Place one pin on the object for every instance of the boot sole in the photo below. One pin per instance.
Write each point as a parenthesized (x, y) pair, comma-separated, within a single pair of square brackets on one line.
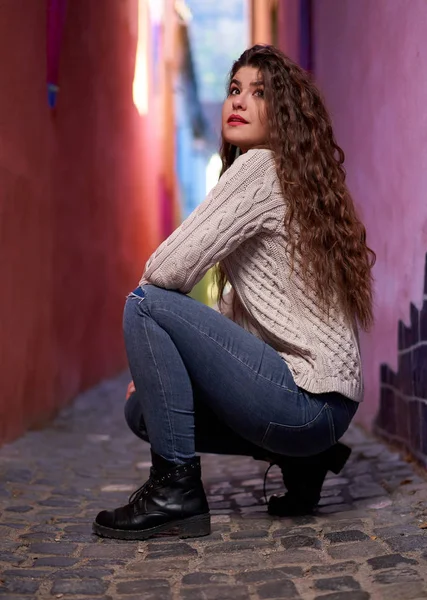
[(185, 528), (289, 510)]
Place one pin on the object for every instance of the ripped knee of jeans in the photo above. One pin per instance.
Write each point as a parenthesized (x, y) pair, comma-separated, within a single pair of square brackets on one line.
[(137, 293)]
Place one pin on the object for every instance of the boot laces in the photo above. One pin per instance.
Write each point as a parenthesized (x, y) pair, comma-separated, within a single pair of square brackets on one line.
[(142, 491), (265, 481), (157, 478)]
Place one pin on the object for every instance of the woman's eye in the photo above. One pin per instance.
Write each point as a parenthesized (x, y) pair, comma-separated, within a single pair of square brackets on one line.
[(233, 91), (259, 93)]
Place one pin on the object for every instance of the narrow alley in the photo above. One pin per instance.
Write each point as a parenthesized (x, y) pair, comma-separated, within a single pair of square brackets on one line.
[(369, 539), (117, 120)]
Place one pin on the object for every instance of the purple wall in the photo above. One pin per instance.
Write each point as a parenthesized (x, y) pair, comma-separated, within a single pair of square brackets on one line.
[(371, 63), (290, 28)]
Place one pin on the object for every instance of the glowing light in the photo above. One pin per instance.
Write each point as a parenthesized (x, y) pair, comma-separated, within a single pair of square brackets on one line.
[(212, 175), (212, 172), (140, 78), (157, 10)]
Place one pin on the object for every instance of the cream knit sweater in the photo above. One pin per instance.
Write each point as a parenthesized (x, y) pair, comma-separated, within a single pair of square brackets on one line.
[(241, 225)]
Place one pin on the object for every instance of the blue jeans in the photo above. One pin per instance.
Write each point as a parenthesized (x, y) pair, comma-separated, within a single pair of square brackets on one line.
[(204, 383)]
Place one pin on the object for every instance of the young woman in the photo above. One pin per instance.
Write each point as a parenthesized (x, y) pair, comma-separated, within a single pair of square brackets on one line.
[(275, 374)]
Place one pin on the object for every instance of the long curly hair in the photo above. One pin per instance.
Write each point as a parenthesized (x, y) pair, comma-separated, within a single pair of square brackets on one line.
[(326, 234)]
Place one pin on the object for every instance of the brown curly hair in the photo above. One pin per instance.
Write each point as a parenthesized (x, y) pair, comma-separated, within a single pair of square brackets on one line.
[(331, 239)]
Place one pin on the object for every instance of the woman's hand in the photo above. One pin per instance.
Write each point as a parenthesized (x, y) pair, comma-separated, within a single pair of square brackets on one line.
[(131, 389)]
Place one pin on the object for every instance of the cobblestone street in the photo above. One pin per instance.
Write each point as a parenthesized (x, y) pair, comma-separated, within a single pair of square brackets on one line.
[(369, 539)]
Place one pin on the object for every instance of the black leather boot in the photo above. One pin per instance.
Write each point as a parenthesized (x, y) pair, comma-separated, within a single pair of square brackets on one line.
[(171, 503), (304, 478)]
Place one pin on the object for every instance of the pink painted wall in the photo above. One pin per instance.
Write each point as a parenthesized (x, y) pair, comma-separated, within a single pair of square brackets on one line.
[(78, 204), (289, 28), (371, 63)]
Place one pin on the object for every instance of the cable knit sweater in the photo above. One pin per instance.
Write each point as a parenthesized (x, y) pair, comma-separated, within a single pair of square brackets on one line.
[(241, 225)]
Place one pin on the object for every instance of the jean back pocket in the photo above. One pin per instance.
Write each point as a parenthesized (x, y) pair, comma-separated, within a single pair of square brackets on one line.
[(302, 440)]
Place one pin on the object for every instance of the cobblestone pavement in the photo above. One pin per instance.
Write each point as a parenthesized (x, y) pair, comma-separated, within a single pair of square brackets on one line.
[(369, 539)]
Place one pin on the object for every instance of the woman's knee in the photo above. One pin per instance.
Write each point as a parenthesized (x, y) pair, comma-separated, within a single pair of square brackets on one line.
[(132, 311), (139, 300), (150, 293)]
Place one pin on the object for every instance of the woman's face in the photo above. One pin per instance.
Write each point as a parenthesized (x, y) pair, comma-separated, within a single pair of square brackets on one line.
[(244, 120)]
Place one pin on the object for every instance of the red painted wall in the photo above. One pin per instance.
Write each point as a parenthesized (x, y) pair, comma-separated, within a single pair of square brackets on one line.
[(78, 204)]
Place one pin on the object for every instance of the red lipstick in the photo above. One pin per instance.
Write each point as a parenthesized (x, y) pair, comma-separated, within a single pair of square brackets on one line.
[(235, 120)]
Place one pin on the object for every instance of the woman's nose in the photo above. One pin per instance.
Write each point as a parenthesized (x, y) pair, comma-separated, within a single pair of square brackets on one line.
[(239, 102)]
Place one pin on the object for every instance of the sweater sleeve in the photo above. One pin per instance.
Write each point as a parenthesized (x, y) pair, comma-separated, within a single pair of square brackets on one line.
[(231, 213)]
